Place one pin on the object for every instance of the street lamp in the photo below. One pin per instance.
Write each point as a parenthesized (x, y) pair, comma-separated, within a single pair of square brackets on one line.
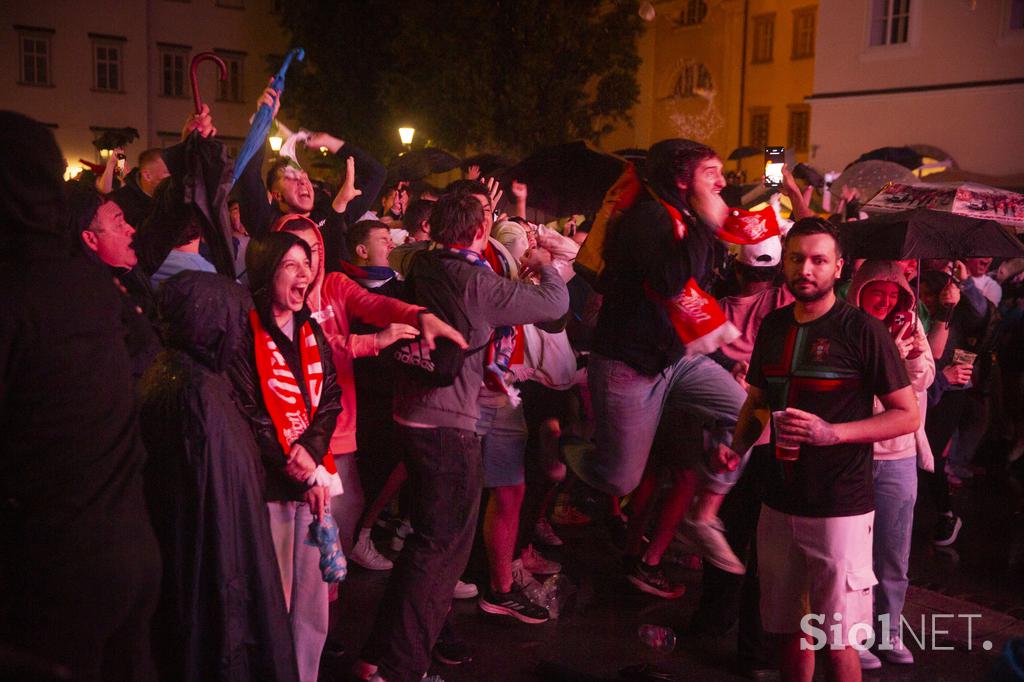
[(275, 142), (405, 134)]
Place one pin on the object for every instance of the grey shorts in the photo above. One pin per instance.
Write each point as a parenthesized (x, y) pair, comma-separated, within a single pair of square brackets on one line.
[(503, 441)]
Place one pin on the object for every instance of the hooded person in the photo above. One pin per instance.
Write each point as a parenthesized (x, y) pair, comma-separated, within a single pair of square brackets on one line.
[(204, 488), (880, 289), (288, 389), (80, 568), (661, 254)]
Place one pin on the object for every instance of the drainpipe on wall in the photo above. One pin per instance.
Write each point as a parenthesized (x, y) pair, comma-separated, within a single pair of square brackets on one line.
[(743, 78)]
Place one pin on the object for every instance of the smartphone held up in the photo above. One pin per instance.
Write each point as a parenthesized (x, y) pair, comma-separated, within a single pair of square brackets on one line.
[(774, 159)]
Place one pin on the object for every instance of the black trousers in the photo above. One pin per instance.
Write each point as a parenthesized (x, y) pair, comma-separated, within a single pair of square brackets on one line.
[(446, 481)]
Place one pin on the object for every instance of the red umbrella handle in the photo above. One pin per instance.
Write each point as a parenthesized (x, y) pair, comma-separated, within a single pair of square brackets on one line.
[(204, 57)]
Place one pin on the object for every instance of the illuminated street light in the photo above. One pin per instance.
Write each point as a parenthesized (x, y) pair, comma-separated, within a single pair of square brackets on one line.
[(405, 134), (105, 153), (275, 142)]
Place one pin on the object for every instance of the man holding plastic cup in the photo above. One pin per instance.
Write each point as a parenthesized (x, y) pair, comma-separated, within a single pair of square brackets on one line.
[(815, 368)]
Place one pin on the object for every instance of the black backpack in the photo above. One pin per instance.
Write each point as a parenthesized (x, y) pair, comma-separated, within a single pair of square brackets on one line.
[(429, 285)]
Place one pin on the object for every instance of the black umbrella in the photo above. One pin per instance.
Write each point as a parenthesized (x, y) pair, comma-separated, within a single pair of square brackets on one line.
[(638, 157), (197, 191), (113, 138), (904, 156), (489, 164), (924, 233), (568, 178), (419, 163), (744, 152)]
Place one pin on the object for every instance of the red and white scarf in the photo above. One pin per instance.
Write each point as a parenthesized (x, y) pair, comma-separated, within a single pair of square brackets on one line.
[(282, 395)]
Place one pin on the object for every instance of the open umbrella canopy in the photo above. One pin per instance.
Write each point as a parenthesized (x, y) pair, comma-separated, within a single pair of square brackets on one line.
[(567, 179), (419, 163), (115, 137), (868, 177), (489, 164), (927, 233), (967, 199), (744, 152), (904, 156)]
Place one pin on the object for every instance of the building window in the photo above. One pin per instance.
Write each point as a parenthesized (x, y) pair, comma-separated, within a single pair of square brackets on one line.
[(108, 68), (764, 38), (759, 128), (799, 129), (803, 32), (692, 79), (890, 22), (231, 90), (693, 13), (173, 66), (34, 59)]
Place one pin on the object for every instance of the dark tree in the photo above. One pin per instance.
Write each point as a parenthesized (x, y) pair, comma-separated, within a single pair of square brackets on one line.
[(510, 75)]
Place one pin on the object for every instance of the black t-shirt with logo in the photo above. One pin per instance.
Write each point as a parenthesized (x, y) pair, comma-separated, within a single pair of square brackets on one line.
[(832, 367)]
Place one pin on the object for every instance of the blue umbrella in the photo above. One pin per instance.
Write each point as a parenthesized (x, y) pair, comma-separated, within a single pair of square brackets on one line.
[(257, 136)]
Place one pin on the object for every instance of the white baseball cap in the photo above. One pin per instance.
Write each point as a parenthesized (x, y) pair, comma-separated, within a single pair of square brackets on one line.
[(764, 254)]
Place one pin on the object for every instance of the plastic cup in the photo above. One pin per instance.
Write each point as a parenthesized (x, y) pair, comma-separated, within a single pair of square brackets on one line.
[(785, 450)]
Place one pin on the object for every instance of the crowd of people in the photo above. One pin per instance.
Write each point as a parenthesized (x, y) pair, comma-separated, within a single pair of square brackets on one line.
[(203, 394)]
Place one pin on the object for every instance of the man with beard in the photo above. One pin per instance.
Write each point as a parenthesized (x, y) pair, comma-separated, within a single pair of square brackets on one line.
[(818, 364), (641, 370)]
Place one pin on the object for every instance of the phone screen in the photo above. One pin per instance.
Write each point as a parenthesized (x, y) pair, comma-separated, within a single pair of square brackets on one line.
[(774, 158)]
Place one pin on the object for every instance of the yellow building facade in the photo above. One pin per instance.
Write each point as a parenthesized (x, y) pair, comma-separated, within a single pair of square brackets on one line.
[(727, 73)]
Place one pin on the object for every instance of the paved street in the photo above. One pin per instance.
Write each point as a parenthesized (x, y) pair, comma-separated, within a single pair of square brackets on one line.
[(979, 585)]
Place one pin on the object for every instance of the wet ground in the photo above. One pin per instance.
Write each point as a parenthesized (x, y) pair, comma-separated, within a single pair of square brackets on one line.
[(966, 595)]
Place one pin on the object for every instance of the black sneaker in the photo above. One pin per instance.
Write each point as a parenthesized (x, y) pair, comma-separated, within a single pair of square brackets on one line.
[(652, 580), (947, 529), (450, 649), (513, 603)]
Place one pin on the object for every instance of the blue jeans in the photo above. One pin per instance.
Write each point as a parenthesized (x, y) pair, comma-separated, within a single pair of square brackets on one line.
[(446, 479), (895, 494), (628, 407)]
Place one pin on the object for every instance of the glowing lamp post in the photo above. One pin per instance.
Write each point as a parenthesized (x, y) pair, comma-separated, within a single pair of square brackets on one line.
[(405, 134), (275, 142)]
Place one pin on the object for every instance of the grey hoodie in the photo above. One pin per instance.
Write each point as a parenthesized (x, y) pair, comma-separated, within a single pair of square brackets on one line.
[(489, 301)]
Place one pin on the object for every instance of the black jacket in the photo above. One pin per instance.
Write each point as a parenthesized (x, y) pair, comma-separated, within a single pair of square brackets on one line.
[(262, 258), (221, 614), (135, 203), (642, 248), (258, 214)]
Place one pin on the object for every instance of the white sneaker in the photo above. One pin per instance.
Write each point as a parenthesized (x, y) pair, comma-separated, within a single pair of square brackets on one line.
[(366, 555), (868, 661), (709, 537), (897, 652), (521, 577), (535, 563), (465, 590)]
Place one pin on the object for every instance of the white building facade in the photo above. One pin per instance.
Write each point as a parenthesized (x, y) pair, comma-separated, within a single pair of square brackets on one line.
[(84, 67), (948, 73)]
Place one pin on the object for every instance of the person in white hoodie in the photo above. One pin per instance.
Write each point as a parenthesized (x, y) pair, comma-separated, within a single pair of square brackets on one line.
[(880, 289)]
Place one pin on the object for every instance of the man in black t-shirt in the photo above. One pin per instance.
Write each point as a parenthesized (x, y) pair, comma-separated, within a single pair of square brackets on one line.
[(819, 362)]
